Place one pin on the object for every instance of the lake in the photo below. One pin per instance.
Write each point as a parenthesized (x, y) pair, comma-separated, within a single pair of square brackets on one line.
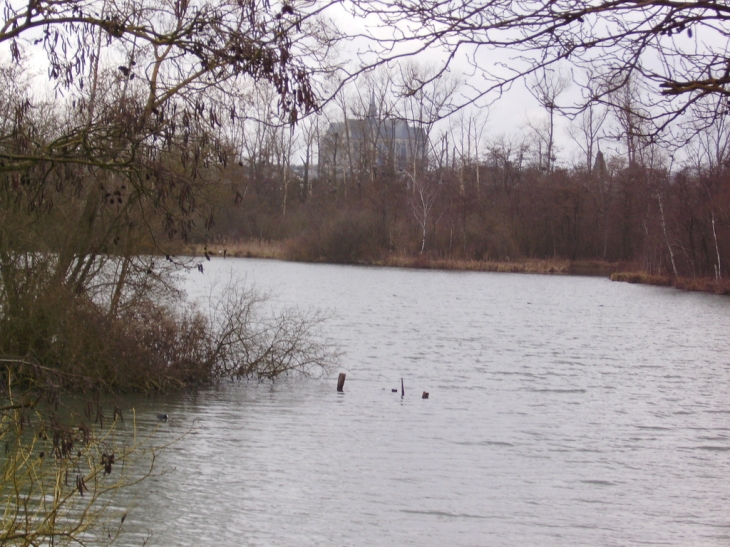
[(563, 411)]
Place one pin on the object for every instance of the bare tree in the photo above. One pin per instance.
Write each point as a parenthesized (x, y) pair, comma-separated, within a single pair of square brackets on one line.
[(423, 100), (709, 153), (424, 197), (309, 133), (631, 118), (586, 133), (168, 55), (506, 156), (546, 86), (468, 143), (676, 50)]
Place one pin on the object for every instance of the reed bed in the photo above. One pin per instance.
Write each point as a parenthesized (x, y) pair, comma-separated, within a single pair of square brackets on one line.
[(519, 266)]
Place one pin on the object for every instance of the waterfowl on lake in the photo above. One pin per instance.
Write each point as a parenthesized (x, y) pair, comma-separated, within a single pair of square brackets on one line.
[(162, 417)]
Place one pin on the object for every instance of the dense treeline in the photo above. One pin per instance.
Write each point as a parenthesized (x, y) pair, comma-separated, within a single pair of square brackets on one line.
[(476, 196), (666, 222)]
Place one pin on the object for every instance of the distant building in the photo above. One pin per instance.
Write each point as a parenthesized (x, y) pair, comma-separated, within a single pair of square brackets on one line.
[(370, 142), (599, 166)]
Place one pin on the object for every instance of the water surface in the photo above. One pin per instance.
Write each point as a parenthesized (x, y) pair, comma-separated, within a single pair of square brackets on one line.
[(563, 411)]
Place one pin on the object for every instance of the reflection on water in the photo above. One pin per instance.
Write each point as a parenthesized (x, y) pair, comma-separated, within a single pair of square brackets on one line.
[(562, 411)]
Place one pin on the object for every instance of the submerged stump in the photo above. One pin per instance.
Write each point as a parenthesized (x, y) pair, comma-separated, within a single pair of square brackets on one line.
[(341, 382)]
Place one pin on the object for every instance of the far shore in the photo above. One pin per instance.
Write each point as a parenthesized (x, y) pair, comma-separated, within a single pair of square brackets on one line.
[(698, 284), (616, 271)]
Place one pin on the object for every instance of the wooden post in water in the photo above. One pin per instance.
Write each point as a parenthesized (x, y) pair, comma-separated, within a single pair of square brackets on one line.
[(402, 389), (341, 382)]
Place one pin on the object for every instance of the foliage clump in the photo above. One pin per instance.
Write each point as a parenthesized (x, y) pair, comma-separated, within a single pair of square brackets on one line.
[(350, 237)]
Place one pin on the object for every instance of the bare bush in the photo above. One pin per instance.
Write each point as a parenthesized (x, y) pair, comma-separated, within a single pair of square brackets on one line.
[(155, 344), (245, 342)]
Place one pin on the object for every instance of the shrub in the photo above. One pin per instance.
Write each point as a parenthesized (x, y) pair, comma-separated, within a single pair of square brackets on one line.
[(641, 277), (156, 344), (351, 237)]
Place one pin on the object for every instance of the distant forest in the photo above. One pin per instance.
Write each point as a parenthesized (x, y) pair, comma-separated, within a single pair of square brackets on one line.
[(478, 196)]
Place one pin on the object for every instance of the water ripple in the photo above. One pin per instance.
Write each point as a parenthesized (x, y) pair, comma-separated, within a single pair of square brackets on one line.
[(596, 415)]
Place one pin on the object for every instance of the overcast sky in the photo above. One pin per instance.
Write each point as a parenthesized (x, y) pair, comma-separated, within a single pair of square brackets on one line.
[(507, 115)]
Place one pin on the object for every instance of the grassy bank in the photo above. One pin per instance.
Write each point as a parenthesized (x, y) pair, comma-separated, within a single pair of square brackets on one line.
[(280, 251)]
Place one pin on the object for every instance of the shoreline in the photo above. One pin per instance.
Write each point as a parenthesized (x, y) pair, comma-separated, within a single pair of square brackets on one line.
[(693, 284), (615, 271)]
